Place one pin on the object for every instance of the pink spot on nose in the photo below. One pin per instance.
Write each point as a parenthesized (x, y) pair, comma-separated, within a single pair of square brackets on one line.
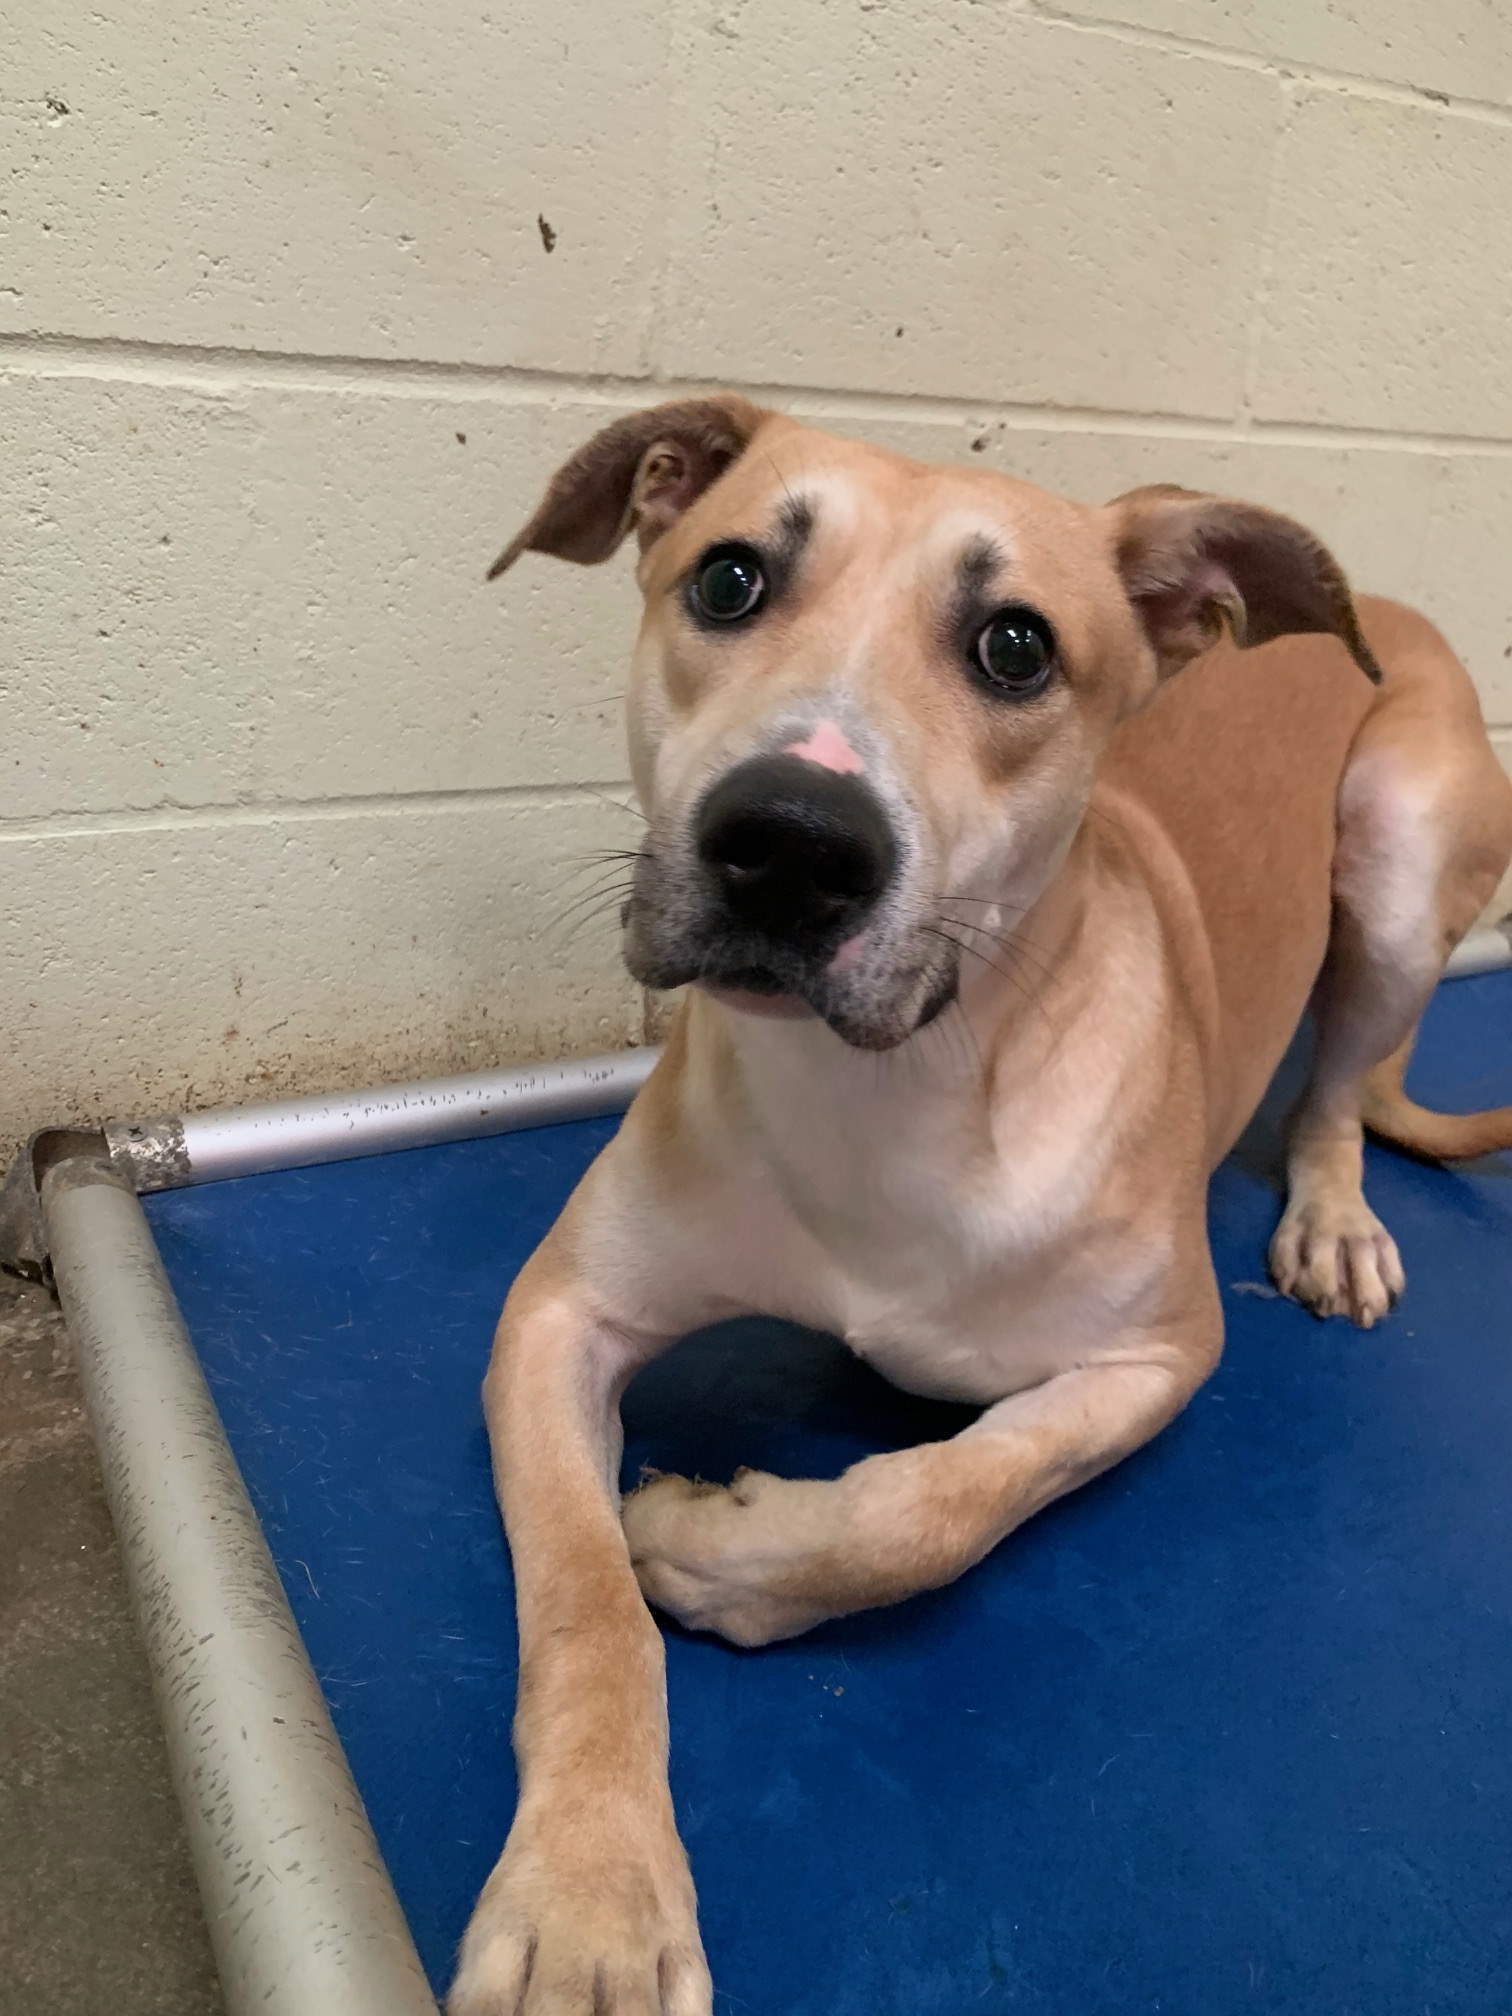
[(848, 954), (828, 747)]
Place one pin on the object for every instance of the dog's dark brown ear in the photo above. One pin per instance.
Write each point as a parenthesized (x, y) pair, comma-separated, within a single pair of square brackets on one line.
[(642, 471), (1195, 566)]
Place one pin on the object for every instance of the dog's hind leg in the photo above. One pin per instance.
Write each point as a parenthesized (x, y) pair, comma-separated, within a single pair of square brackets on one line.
[(1425, 829)]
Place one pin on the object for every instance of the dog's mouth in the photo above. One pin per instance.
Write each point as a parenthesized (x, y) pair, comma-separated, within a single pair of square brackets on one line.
[(748, 980), (867, 1010), (754, 992), (729, 972)]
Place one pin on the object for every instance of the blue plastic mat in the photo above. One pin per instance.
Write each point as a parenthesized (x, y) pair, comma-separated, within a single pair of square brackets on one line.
[(1226, 1732)]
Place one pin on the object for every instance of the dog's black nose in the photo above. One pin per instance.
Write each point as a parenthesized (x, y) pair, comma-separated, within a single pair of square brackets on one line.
[(794, 849)]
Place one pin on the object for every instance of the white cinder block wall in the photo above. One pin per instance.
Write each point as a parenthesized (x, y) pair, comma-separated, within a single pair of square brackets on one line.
[(300, 304)]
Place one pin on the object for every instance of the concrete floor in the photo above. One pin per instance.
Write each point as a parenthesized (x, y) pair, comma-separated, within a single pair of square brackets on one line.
[(98, 1910)]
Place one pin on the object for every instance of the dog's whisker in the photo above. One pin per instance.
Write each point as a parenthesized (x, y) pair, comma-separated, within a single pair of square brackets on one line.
[(591, 904), (1014, 979), (1015, 934), (988, 902), (591, 882), (633, 811), (563, 936), (616, 854), (563, 941), (1012, 943), (952, 1031), (610, 858), (604, 700)]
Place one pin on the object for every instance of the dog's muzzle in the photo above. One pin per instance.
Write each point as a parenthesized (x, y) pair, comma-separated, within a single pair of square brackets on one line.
[(788, 885), (795, 857)]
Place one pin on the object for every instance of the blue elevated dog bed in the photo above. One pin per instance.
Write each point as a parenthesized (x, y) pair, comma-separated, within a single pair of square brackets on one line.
[(1225, 1732)]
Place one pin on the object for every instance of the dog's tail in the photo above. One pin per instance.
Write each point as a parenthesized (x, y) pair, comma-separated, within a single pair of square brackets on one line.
[(1437, 1137)]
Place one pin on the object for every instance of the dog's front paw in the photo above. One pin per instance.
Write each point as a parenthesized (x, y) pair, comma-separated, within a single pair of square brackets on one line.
[(744, 1560), (1337, 1259), (562, 1934)]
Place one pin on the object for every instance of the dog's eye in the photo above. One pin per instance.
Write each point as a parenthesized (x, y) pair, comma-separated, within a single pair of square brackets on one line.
[(729, 584), (1015, 653)]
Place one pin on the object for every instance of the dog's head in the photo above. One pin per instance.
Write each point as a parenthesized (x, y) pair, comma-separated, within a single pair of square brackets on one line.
[(868, 691)]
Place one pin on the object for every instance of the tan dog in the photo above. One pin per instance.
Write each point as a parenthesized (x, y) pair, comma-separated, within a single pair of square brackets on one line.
[(999, 931)]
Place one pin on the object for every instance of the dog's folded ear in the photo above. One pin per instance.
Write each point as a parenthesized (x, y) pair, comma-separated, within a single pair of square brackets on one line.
[(1194, 566), (640, 472)]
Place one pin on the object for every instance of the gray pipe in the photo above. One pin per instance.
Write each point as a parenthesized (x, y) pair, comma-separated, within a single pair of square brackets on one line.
[(173, 1150), (302, 1915)]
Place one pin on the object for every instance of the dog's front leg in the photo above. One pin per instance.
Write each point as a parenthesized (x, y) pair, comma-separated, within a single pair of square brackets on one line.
[(769, 1557), (590, 1911)]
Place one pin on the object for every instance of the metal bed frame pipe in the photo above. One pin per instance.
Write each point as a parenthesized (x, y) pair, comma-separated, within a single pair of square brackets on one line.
[(302, 1916), (172, 1151)]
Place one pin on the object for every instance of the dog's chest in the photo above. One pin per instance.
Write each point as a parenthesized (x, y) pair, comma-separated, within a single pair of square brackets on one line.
[(959, 1264), (964, 1325)]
